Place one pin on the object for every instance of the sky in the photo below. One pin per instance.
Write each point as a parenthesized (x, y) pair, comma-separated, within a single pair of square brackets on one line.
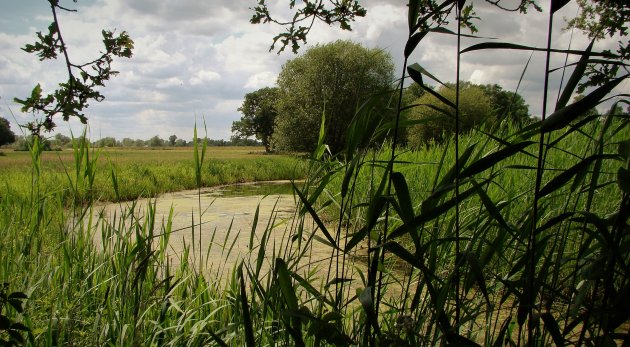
[(194, 61)]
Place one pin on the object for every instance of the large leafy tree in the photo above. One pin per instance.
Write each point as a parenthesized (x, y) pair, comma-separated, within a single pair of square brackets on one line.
[(6, 135), (506, 104), (331, 79), (259, 114)]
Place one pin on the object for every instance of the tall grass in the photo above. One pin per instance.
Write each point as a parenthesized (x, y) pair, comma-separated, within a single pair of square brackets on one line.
[(92, 280), (125, 290)]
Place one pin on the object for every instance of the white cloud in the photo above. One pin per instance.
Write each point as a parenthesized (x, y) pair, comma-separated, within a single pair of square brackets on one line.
[(199, 58), (261, 80), (204, 76)]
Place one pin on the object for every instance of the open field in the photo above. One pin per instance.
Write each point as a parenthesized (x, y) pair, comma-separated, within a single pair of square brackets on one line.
[(120, 156), (146, 172)]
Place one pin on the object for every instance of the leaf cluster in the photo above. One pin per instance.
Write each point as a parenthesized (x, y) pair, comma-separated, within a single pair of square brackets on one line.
[(306, 13), (437, 120), (600, 19), (6, 135), (334, 79), (10, 330), (74, 95)]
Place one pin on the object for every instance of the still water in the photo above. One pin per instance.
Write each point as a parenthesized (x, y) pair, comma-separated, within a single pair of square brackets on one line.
[(216, 224)]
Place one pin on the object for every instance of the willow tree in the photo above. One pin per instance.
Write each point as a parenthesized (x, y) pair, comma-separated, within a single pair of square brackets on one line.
[(331, 79)]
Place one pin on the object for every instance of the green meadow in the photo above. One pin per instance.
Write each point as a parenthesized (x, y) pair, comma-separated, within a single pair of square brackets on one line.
[(146, 172)]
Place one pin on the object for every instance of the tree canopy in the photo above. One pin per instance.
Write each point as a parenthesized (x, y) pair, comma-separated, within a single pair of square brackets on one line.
[(6, 135), (259, 114), (331, 79), (506, 104), (438, 120)]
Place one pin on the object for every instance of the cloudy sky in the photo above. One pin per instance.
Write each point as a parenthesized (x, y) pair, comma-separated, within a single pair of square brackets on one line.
[(195, 60)]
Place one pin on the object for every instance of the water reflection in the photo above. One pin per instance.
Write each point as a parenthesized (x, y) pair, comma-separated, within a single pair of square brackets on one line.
[(251, 189)]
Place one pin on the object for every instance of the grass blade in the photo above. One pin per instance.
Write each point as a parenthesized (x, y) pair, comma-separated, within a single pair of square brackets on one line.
[(577, 74), (560, 118), (250, 341), (505, 45), (560, 180), (314, 215), (494, 158)]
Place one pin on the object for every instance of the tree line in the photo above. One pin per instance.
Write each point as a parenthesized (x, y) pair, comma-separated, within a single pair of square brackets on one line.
[(336, 80), (60, 141)]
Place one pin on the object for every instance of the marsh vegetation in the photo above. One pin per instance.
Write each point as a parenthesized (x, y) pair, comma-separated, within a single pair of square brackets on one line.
[(510, 233)]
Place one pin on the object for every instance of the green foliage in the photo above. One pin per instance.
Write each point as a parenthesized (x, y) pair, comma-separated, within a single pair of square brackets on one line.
[(600, 19), (172, 140), (333, 79), (259, 114), (25, 143), (6, 135), (438, 120), (74, 95), (107, 141), (507, 105), (61, 141), (10, 330), (308, 11), (155, 141)]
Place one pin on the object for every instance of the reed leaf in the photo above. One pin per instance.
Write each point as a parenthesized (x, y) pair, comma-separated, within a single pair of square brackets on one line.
[(560, 118)]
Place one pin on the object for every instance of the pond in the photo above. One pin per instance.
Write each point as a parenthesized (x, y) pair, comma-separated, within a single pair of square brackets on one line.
[(219, 222)]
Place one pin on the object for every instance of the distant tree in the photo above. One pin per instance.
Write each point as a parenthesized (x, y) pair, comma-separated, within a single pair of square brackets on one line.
[(140, 143), (6, 135), (25, 143), (172, 139), (128, 142), (61, 140), (106, 142), (506, 104), (412, 93), (180, 143), (20, 143), (155, 141), (259, 114), (332, 79), (240, 141), (80, 140), (475, 108)]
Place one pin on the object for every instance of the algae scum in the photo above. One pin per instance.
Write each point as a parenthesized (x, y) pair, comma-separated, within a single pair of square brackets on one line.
[(214, 229)]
